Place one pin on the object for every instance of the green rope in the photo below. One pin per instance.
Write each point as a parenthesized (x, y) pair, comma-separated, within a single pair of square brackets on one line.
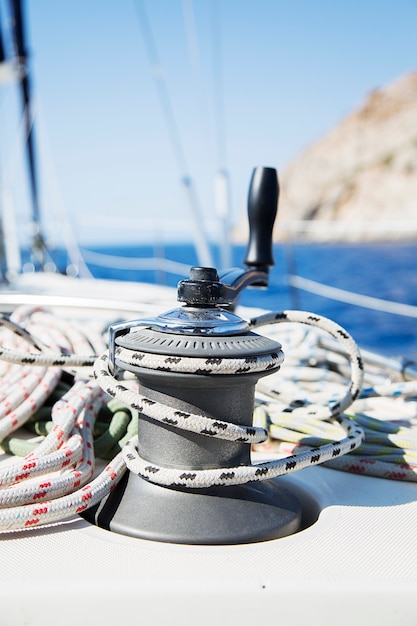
[(115, 431), (18, 447), (114, 426)]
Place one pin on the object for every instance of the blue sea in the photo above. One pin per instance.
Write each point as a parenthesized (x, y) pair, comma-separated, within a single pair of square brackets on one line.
[(381, 270)]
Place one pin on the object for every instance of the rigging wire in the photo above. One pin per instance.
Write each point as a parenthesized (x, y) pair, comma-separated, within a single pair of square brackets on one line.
[(162, 87), (127, 263), (342, 295), (218, 90), (203, 251), (222, 179), (195, 62), (70, 242)]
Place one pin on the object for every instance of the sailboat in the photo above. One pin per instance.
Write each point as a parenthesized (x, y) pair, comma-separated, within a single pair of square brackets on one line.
[(179, 467)]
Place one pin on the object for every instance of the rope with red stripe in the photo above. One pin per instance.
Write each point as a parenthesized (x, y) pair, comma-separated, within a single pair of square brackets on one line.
[(50, 483)]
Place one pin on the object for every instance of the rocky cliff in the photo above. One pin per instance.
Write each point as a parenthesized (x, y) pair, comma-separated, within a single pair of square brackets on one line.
[(360, 181)]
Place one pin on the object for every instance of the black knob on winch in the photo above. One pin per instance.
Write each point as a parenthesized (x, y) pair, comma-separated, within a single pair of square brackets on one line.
[(202, 288)]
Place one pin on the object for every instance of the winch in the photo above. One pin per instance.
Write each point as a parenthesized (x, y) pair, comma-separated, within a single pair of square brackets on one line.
[(200, 363)]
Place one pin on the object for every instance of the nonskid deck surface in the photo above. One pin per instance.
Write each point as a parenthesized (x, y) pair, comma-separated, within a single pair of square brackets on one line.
[(355, 560)]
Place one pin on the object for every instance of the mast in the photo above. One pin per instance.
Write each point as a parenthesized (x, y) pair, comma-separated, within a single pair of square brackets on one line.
[(21, 53), (2, 53), (10, 262)]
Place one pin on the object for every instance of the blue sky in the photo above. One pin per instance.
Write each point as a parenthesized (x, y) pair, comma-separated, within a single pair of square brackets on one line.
[(267, 76)]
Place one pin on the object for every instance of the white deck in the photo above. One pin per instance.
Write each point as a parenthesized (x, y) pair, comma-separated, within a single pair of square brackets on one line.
[(356, 564)]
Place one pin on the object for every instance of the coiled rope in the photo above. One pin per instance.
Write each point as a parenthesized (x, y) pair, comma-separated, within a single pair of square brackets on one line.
[(301, 411), (51, 482), (386, 408)]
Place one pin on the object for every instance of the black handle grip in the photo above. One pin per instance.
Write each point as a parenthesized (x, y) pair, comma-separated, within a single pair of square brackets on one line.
[(262, 210)]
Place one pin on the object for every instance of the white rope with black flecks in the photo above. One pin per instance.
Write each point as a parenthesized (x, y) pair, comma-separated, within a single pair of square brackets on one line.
[(210, 427), (212, 366)]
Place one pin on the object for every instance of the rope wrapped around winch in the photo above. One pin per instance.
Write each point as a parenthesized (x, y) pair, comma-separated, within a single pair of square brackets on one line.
[(47, 389)]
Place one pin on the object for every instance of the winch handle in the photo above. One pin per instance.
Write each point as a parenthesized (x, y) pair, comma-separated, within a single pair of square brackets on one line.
[(205, 287), (262, 210)]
